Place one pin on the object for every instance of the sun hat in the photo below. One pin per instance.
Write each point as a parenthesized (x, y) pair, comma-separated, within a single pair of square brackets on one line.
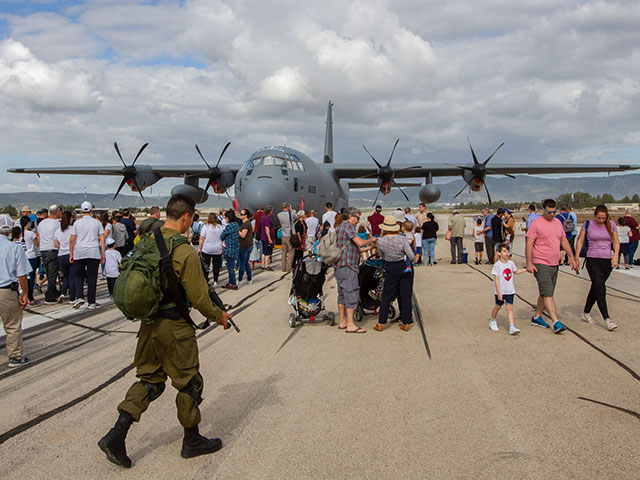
[(389, 224), (25, 208), (86, 207)]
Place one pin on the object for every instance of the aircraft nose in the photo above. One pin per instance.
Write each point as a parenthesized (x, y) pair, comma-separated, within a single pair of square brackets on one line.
[(261, 192)]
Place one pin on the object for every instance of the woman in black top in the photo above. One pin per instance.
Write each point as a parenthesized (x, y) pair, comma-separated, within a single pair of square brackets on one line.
[(429, 235)]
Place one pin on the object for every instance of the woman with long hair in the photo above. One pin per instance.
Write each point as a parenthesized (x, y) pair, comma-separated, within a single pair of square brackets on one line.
[(61, 242), (31, 242), (210, 247), (429, 235), (246, 245), (601, 236), (231, 238)]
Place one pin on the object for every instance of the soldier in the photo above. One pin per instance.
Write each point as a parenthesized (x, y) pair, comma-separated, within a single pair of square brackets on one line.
[(152, 222), (14, 268), (168, 347)]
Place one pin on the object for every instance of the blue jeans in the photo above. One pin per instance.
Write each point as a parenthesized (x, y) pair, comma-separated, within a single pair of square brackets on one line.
[(69, 277), (243, 263), (429, 250), (231, 268), (35, 263), (633, 246)]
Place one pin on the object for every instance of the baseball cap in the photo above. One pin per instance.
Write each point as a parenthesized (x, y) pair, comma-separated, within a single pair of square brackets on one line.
[(6, 224), (378, 208), (86, 207), (53, 208)]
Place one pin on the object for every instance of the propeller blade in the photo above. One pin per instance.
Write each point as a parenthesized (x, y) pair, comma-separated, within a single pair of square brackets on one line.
[(463, 167), (139, 153), (124, 180), (135, 183), (408, 168), (462, 190), (209, 183), (376, 200), (372, 175), (115, 144), (202, 156), (401, 191), (392, 151), (230, 199), (487, 160), (223, 150), (372, 157), (498, 173), (475, 160), (488, 194)]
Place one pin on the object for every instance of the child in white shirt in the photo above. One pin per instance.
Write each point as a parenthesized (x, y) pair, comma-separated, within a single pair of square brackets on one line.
[(112, 260), (478, 240), (504, 289)]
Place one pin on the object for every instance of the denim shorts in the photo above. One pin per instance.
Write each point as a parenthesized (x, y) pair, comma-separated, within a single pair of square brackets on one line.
[(506, 298)]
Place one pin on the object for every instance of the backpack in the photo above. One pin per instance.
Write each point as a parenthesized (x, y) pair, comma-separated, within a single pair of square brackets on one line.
[(568, 224), (196, 228), (140, 287), (328, 248)]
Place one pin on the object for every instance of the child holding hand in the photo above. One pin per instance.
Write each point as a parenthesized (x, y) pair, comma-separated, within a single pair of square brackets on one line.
[(504, 288)]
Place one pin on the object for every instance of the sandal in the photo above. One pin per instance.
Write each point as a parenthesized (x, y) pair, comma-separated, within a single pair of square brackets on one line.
[(358, 330)]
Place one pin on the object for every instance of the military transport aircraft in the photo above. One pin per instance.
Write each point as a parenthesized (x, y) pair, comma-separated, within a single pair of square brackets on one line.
[(273, 175)]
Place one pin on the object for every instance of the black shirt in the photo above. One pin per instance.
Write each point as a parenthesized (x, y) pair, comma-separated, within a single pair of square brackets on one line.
[(496, 229), (429, 229)]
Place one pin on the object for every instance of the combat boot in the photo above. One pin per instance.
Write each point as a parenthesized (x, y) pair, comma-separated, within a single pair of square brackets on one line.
[(194, 444), (112, 444)]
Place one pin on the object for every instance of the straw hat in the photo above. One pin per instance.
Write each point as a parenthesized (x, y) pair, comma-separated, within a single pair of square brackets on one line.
[(389, 224)]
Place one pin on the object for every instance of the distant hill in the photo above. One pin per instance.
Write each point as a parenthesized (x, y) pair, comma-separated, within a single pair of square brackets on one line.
[(523, 188)]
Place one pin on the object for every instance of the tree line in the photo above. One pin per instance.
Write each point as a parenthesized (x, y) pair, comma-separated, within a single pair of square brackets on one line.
[(579, 200)]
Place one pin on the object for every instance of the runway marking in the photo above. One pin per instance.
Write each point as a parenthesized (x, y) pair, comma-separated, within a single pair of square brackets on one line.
[(625, 410), (598, 349), (418, 314)]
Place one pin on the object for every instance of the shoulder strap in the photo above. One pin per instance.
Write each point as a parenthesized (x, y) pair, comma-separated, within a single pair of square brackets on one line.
[(172, 280)]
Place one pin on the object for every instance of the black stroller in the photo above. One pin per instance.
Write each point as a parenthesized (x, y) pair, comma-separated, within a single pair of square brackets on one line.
[(371, 279), (306, 295)]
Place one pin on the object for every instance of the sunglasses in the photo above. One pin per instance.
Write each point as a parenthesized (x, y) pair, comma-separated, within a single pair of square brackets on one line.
[(551, 212)]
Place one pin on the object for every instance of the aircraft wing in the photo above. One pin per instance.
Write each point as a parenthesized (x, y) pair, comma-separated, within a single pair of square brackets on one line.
[(365, 184), (160, 170), (363, 171)]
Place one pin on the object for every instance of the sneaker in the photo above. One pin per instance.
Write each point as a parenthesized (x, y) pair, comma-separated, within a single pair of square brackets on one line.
[(50, 302), (493, 325), (78, 303), (34, 303), (93, 306), (61, 299), (513, 330), (539, 322), (18, 362), (610, 324), (558, 327), (586, 317)]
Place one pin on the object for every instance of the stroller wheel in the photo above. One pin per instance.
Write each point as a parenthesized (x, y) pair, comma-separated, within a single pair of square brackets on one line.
[(392, 312), (293, 319), (358, 314), (332, 318)]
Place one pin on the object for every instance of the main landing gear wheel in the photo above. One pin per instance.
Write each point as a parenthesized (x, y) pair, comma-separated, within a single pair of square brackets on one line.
[(332, 318), (293, 319), (358, 314)]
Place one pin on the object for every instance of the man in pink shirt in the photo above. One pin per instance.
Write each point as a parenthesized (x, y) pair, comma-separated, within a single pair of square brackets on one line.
[(545, 237)]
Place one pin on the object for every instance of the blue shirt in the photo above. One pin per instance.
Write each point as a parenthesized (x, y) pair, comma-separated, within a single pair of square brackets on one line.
[(13, 262), (231, 237), (487, 223), (532, 216)]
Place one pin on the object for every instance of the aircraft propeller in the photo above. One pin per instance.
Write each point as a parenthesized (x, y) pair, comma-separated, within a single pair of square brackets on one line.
[(214, 173), (479, 171), (386, 174), (129, 172)]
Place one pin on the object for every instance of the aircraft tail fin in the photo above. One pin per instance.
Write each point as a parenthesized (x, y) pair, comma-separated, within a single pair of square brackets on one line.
[(328, 137)]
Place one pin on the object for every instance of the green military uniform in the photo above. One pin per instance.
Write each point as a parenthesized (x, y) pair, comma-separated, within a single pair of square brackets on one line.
[(149, 225), (168, 347)]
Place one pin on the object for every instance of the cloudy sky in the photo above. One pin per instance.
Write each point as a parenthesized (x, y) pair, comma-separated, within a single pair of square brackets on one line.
[(556, 81)]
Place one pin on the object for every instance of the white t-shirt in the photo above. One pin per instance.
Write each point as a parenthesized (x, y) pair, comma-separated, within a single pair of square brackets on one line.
[(63, 240), (30, 248), (623, 234), (329, 217), (505, 272), (112, 259), (418, 237), (107, 232), (212, 244), (87, 230), (478, 233), (312, 226), (47, 231)]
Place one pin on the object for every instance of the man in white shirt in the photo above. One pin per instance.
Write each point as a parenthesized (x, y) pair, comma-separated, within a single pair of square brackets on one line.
[(312, 230), (86, 252), (329, 216), (47, 230), (286, 218)]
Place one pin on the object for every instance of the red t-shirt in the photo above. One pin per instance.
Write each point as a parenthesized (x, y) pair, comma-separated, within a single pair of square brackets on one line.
[(547, 236), (375, 220), (633, 225)]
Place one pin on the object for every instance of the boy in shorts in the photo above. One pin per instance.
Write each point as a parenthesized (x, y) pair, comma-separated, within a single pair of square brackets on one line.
[(478, 240), (503, 271)]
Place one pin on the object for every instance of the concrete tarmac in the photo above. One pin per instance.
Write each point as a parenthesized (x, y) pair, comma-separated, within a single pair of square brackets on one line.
[(312, 402)]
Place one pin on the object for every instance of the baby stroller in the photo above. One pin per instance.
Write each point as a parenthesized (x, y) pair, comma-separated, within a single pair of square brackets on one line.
[(306, 295), (371, 279)]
